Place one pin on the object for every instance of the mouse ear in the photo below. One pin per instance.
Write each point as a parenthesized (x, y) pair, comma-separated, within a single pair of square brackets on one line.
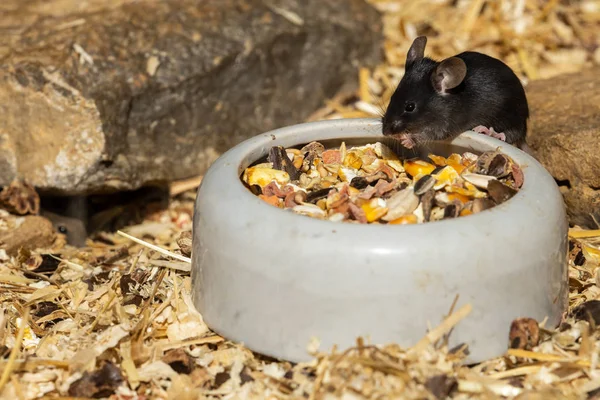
[(416, 51), (448, 74)]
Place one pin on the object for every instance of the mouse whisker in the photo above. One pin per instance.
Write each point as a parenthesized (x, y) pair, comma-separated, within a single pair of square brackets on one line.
[(381, 107)]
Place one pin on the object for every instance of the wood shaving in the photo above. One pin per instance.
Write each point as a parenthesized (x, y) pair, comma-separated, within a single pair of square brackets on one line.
[(131, 319)]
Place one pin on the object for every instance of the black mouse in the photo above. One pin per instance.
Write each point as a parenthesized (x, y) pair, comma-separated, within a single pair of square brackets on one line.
[(439, 100)]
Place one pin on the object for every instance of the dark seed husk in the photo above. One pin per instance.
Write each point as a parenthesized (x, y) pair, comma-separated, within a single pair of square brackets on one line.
[(359, 182), (427, 201), (499, 166), (256, 190), (499, 192), (481, 204), (311, 151), (280, 160), (451, 210), (377, 176), (494, 164), (317, 195), (437, 169), (424, 184), (42, 263), (313, 148)]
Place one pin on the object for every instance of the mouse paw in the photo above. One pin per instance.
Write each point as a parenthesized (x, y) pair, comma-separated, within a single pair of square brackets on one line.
[(406, 141), (490, 132)]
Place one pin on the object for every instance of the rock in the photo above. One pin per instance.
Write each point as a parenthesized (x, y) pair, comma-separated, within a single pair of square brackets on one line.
[(564, 133), (32, 233), (97, 97)]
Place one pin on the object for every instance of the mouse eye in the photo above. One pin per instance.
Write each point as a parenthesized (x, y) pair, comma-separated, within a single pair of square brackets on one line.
[(62, 229), (409, 107)]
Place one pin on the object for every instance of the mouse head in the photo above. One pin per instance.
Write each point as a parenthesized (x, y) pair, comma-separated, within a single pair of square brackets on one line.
[(422, 104), (74, 229)]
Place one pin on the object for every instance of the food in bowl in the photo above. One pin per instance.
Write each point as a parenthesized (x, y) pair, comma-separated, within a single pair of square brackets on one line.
[(371, 184)]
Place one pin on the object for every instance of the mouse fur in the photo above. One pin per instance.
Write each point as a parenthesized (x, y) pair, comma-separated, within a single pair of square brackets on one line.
[(456, 95)]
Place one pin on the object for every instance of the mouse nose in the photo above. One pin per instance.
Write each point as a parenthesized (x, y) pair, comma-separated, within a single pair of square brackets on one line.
[(392, 127)]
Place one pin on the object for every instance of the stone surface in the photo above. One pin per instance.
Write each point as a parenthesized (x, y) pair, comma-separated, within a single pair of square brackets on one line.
[(108, 95), (565, 136), (32, 233)]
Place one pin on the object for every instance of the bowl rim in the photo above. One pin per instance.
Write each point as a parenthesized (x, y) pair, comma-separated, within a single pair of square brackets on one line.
[(231, 162)]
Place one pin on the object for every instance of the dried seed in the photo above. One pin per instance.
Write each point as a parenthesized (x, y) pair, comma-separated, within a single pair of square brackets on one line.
[(263, 176), (402, 203), (396, 165), (347, 174), (465, 212), (458, 197), (517, 174), (441, 386), (500, 192), (313, 197), (273, 190), (446, 176), (41, 263), (359, 182), (500, 166), (179, 360), (336, 199), (358, 213), (313, 148), (311, 151), (184, 241), (424, 184), (437, 160), (427, 202), (272, 200), (102, 382), (384, 152), (20, 198), (481, 204), (383, 186), (352, 160), (405, 219), (468, 190), (298, 162), (332, 157), (280, 160), (367, 193), (480, 181), (417, 168), (451, 211), (375, 209), (310, 210), (524, 333), (294, 198), (322, 171), (493, 163)]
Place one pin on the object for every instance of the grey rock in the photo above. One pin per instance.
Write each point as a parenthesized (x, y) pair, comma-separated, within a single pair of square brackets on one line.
[(565, 137), (103, 96)]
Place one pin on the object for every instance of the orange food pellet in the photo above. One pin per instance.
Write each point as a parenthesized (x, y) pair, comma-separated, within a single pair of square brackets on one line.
[(454, 159), (465, 212), (372, 212), (457, 196), (332, 157), (457, 167), (272, 200), (438, 160), (417, 167), (405, 219)]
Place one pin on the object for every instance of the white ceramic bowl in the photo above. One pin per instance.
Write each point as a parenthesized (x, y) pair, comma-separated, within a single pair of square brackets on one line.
[(273, 279)]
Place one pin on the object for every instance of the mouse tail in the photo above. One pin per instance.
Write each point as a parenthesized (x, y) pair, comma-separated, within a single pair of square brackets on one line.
[(525, 147)]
